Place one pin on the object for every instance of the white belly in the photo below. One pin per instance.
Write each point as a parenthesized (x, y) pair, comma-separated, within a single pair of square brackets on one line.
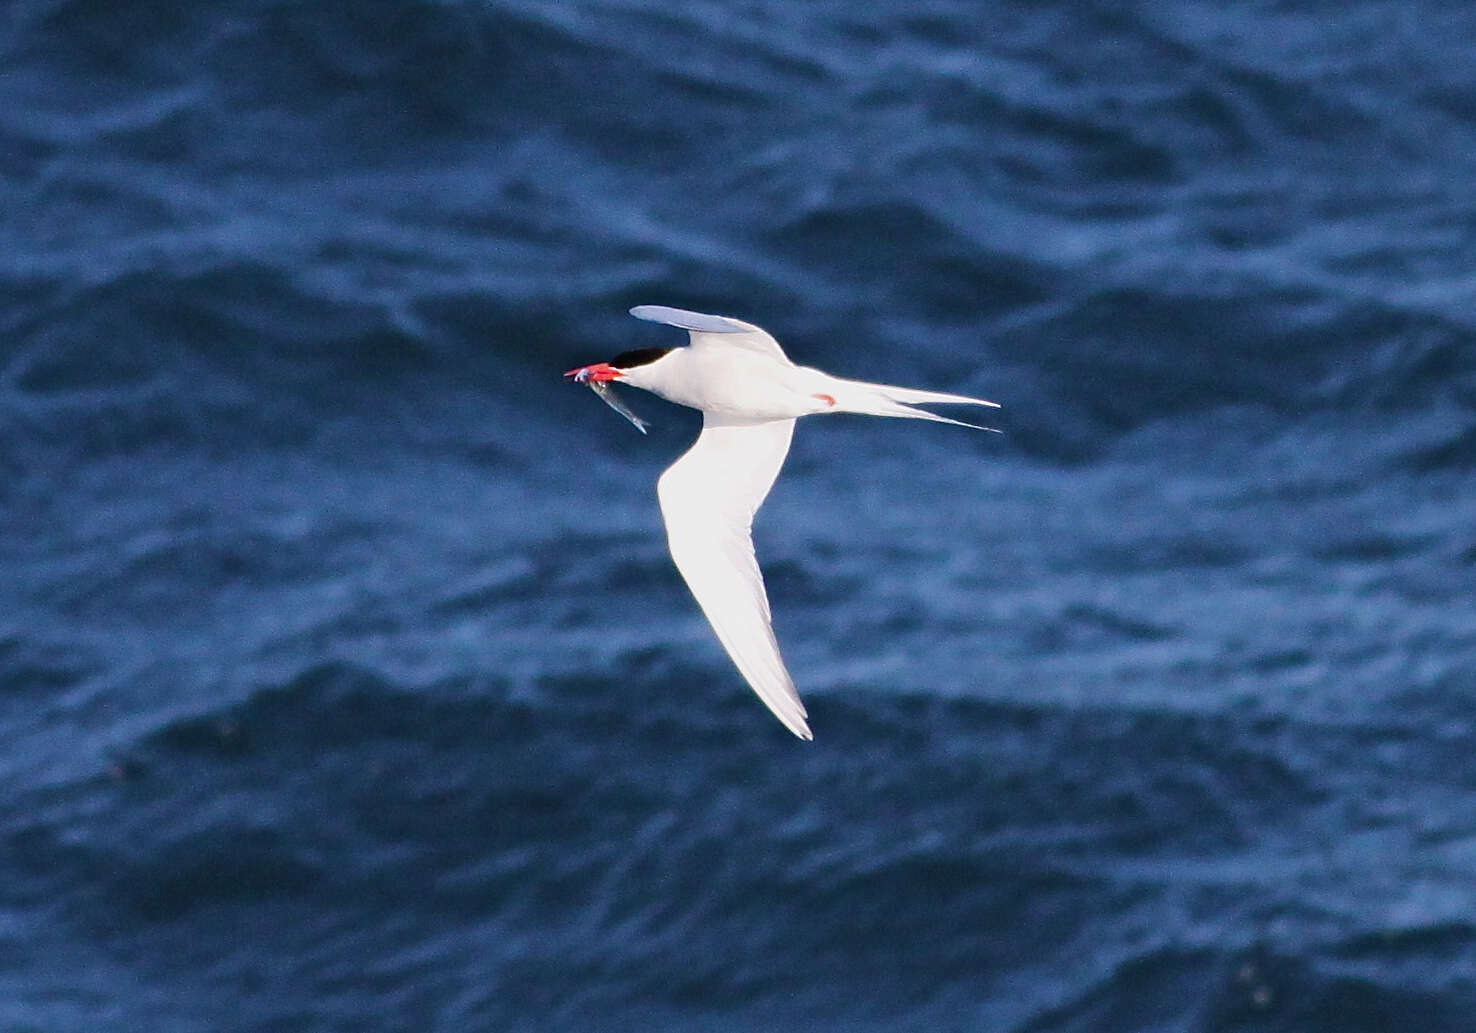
[(742, 384)]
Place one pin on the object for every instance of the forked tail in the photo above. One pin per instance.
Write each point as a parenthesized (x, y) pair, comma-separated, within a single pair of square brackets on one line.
[(857, 396)]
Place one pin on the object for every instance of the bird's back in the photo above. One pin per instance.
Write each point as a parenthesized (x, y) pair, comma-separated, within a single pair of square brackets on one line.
[(738, 383)]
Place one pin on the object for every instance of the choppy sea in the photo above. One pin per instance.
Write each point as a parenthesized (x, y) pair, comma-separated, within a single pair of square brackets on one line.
[(345, 681)]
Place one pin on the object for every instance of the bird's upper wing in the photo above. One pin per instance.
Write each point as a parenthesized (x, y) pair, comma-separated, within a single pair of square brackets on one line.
[(708, 499), (714, 331)]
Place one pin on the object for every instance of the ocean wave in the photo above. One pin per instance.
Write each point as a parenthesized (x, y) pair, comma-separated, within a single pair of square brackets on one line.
[(337, 626)]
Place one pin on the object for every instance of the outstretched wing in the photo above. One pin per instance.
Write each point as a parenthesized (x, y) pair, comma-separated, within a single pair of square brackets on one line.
[(708, 499), (714, 331)]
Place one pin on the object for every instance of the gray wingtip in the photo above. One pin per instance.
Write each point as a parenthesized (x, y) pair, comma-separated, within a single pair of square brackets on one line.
[(699, 321), (798, 723)]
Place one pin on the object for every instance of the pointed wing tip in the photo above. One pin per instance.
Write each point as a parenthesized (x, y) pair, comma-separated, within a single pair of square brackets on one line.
[(688, 320), (796, 724), (790, 711), (786, 706)]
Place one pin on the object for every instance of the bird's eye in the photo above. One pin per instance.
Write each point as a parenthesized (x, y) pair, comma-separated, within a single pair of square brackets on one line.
[(639, 357)]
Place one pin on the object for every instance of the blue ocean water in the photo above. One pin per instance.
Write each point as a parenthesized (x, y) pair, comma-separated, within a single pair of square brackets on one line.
[(345, 681)]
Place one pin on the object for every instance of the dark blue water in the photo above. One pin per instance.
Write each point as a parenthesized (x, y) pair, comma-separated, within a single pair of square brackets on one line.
[(345, 682)]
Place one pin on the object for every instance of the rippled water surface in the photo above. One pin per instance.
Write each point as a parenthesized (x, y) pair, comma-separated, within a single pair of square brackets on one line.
[(345, 681)]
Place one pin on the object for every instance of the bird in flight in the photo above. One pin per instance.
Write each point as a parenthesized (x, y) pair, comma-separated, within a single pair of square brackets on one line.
[(750, 394)]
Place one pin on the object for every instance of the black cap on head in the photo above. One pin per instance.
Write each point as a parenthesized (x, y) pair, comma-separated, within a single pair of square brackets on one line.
[(639, 357)]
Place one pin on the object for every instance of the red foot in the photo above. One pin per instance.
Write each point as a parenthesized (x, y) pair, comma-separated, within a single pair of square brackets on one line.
[(827, 399)]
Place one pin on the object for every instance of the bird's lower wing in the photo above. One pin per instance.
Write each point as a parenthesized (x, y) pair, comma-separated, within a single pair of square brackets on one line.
[(708, 499)]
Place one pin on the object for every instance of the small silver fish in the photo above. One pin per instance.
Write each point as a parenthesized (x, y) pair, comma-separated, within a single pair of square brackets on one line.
[(607, 395)]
